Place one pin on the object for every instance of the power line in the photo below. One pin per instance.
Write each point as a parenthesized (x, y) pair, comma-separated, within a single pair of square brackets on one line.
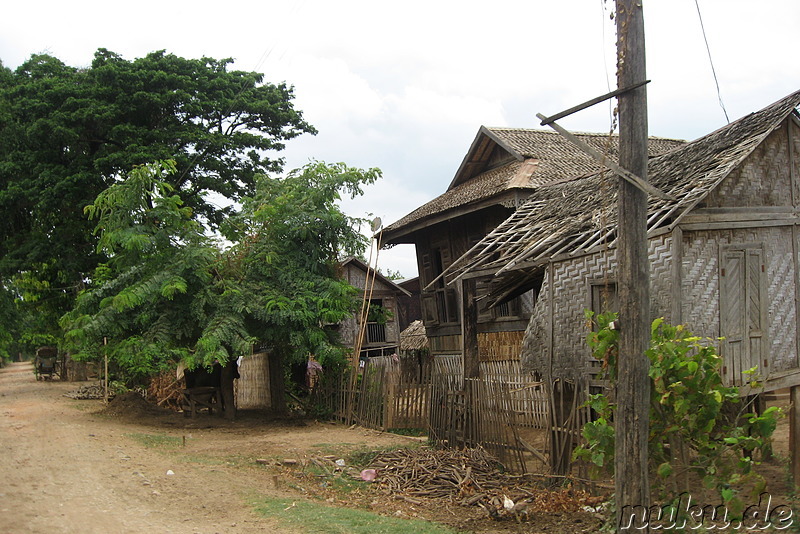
[(713, 71)]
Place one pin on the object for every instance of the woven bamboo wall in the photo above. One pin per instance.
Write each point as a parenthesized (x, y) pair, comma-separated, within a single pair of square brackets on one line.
[(571, 295), (794, 133), (252, 387), (763, 179), (499, 346), (700, 286), (700, 283)]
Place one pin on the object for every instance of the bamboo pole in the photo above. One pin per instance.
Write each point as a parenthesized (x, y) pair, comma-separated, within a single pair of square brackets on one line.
[(105, 370)]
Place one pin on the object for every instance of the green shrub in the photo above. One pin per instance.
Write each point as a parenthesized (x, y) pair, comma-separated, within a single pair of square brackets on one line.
[(699, 428)]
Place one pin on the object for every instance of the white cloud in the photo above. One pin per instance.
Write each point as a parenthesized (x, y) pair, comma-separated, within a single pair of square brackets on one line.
[(406, 86)]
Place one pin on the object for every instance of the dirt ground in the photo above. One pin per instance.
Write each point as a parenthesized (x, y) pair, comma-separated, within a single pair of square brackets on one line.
[(80, 466)]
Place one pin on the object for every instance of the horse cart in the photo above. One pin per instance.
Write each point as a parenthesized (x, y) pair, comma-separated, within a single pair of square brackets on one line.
[(45, 367)]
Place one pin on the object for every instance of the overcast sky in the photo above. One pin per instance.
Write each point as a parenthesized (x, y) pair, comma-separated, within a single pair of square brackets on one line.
[(405, 86)]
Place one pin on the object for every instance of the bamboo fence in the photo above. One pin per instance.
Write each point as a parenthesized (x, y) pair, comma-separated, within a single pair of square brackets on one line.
[(504, 411)]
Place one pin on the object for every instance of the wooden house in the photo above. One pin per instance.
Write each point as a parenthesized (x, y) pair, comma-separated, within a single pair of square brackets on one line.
[(501, 169), (382, 334), (724, 253)]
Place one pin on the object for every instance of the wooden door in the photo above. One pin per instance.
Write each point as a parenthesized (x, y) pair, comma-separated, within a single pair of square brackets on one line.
[(742, 313)]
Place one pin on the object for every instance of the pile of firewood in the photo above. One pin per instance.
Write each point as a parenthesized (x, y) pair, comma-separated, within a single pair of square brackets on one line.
[(469, 477), (459, 474), (165, 390)]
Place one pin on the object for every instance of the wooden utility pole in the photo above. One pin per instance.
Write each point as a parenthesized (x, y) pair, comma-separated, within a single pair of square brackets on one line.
[(632, 416)]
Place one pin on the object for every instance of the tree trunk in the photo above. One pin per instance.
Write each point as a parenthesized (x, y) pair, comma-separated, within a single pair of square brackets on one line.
[(277, 388), (229, 373)]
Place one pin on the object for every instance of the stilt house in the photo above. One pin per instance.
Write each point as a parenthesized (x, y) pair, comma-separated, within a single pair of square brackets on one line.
[(724, 254), (501, 169)]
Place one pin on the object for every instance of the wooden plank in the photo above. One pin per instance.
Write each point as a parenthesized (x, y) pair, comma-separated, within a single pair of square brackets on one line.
[(623, 173), (774, 382), (794, 434), (741, 215), (469, 325), (589, 103), (737, 224)]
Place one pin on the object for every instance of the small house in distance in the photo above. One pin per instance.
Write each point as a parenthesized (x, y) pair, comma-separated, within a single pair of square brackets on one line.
[(382, 334)]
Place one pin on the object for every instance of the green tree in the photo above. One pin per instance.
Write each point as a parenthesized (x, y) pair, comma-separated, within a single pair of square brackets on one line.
[(160, 288), (168, 292), (66, 134)]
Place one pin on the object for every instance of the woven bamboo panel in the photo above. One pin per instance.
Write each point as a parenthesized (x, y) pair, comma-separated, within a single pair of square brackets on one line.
[(535, 356), (700, 287), (571, 297), (661, 278), (499, 346), (795, 160), (763, 179), (252, 387), (700, 283), (782, 316)]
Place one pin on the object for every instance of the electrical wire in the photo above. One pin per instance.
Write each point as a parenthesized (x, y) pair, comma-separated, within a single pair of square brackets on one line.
[(713, 71), (605, 56)]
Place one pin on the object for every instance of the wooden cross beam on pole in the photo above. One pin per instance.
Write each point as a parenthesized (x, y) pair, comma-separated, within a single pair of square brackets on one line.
[(625, 174)]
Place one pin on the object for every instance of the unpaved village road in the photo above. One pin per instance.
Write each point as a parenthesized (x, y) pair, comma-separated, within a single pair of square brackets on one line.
[(65, 466)]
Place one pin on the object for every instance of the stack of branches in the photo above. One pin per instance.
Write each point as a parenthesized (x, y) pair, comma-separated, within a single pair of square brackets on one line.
[(464, 475), (165, 390), (469, 477)]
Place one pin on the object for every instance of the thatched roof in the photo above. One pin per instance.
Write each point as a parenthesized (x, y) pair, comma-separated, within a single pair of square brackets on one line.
[(502, 160), (413, 337), (579, 215)]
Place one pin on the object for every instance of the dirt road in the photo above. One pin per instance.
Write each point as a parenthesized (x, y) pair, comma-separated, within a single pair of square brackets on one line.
[(68, 466)]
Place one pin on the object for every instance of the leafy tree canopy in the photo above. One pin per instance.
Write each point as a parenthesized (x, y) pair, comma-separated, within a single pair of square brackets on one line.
[(68, 133), (168, 292)]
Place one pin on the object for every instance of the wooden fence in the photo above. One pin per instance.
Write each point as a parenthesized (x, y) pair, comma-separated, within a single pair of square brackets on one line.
[(389, 393), (504, 411)]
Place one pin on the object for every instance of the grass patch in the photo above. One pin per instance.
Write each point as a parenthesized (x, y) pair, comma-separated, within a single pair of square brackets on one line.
[(312, 517), (157, 441)]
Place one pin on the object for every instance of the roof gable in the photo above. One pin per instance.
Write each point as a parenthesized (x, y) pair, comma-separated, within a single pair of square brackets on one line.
[(579, 215), (487, 150), (354, 262), (504, 159)]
